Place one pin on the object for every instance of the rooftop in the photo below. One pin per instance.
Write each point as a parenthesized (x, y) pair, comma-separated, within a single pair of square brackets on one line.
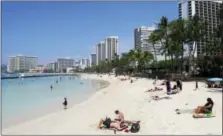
[(113, 37)]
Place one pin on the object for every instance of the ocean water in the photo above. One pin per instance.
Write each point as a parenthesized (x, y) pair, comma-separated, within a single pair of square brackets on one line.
[(27, 98)]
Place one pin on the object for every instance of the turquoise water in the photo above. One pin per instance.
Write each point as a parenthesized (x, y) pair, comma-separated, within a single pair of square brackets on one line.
[(24, 98)]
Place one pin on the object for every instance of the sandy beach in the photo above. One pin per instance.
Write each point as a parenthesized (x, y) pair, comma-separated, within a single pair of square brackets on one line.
[(157, 117)]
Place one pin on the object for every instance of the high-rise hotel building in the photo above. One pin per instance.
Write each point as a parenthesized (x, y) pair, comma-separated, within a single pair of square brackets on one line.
[(111, 43), (93, 59), (208, 12), (64, 63), (107, 49), (100, 51), (21, 62), (141, 40)]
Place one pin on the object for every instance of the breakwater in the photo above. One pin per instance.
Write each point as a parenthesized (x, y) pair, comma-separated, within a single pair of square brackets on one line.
[(30, 75)]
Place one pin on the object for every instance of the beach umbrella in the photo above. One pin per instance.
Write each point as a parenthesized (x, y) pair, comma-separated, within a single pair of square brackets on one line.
[(215, 79)]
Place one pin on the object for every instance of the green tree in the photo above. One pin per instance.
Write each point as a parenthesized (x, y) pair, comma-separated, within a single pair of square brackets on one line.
[(154, 39), (178, 33), (195, 33), (162, 33)]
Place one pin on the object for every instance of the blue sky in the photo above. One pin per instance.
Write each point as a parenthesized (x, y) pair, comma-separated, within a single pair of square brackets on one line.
[(71, 29)]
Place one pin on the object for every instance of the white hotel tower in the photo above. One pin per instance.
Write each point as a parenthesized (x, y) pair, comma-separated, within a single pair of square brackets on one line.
[(206, 10), (21, 62), (107, 49)]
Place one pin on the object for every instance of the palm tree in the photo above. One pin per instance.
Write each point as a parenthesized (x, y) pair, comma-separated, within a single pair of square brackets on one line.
[(177, 32), (154, 38), (195, 32), (162, 33), (146, 57)]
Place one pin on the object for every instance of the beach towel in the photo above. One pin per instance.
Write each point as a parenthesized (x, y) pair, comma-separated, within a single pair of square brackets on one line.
[(203, 115)]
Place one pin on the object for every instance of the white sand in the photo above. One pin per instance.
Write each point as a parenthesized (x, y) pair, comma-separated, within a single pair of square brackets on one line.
[(157, 117)]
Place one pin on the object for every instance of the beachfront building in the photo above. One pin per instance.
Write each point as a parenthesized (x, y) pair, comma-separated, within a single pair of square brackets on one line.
[(51, 66), (21, 63), (64, 63), (93, 59), (206, 10), (84, 63), (112, 44), (100, 52), (141, 41), (41, 68), (106, 50)]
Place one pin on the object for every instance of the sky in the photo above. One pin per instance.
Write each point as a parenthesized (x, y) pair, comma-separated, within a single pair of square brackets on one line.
[(50, 30)]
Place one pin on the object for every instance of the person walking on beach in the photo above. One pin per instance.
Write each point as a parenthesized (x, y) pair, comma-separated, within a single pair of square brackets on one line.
[(51, 87), (65, 103), (168, 87), (196, 85)]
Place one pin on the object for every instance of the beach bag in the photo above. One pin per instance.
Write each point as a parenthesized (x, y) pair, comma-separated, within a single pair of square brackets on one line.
[(135, 127), (107, 122)]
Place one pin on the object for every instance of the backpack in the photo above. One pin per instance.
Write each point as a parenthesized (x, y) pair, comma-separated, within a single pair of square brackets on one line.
[(107, 122), (135, 128)]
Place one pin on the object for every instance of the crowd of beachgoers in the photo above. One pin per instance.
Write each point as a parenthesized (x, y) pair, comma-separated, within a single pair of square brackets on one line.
[(132, 105)]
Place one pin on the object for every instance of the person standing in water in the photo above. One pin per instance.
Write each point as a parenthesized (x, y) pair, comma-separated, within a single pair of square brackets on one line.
[(51, 87), (65, 103)]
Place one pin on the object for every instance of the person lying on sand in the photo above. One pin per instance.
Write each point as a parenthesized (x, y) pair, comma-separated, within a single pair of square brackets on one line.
[(156, 89), (109, 124), (160, 98), (163, 83), (207, 108)]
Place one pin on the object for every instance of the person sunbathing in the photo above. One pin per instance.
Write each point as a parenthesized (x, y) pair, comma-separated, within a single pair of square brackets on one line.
[(160, 98), (156, 89), (109, 124), (207, 108), (163, 83)]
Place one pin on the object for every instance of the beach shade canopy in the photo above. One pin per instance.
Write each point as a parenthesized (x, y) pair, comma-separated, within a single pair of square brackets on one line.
[(215, 79)]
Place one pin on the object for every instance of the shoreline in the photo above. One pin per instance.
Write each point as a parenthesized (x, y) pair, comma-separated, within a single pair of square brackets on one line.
[(52, 108), (157, 117)]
